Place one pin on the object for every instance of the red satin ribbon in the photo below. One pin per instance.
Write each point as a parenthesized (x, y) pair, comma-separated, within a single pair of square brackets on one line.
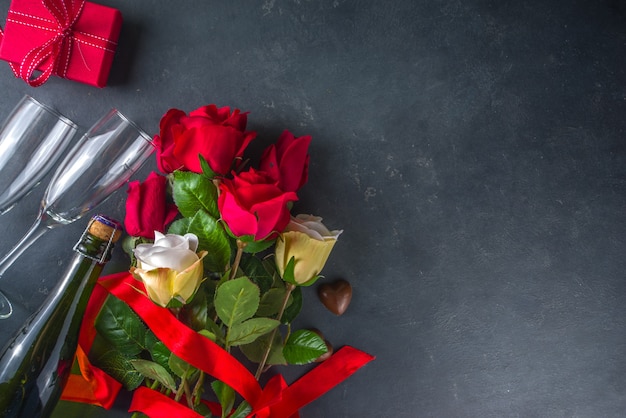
[(276, 400)]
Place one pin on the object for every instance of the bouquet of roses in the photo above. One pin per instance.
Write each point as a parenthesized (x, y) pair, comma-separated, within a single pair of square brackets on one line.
[(217, 266)]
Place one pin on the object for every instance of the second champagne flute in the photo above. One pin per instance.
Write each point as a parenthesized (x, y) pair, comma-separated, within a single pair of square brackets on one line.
[(111, 151)]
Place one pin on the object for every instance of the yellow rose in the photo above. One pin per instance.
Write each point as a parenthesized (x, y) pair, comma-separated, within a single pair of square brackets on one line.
[(169, 268), (309, 243)]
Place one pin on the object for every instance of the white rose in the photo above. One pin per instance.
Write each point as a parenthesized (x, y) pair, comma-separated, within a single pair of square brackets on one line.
[(169, 268), (176, 252)]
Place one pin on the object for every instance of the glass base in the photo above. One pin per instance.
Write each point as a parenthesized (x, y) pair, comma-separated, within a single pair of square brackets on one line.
[(6, 308)]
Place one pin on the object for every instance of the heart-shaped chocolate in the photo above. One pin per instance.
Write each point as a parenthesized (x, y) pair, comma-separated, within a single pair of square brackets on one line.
[(335, 296)]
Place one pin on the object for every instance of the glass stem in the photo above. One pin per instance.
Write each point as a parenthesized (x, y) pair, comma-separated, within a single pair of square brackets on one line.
[(36, 230)]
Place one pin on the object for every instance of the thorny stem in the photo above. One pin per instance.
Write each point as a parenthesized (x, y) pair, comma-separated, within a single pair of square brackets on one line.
[(266, 354), (240, 246)]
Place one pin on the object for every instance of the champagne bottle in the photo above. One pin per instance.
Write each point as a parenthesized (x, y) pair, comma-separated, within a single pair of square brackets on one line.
[(35, 364)]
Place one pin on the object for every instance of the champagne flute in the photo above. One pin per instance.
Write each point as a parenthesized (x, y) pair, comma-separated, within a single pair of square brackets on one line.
[(32, 139), (111, 151)]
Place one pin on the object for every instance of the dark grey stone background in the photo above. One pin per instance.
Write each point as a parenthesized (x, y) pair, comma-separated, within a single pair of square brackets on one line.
[(473, 151)]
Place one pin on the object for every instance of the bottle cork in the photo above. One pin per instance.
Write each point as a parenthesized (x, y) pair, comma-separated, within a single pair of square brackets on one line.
[(103, 227)]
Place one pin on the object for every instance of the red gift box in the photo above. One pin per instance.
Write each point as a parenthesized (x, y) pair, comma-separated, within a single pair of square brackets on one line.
[(73, 39)]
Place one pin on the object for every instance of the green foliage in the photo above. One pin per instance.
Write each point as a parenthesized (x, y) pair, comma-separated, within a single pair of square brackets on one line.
[(121, 327), (288, 274), (154, 371), (195, 314), (242, 411), (303, 347), (247, 331), (258, 271), (161, 354), (120, 368), (255, 351), (206, 168), (211, 236), (294, 308), (271, 302), (255, 247), (179, 366), (194, 192), (226, 396), (236, 300)]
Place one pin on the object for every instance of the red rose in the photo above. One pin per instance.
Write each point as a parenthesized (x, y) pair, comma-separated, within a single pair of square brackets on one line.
[(252, 204), (147, 209), (218, 135), (287, 161)]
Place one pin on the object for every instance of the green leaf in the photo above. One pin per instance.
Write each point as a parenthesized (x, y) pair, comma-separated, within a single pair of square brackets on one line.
[(129, 244), (211, 237), (294, 307), (254, 247), (226, 396), (271, 302), (179, 366), (215, 329), (303, 347), (210, 335), (150, 340), (161, 354), (179, 226), (206, 168), (195, 313), (288, 274), (256, 271), (242, 411), (236, 300), (248, 331), (121, 327), (194, 192), (203, 410), (154, 371), (119, 367), (255, 351)]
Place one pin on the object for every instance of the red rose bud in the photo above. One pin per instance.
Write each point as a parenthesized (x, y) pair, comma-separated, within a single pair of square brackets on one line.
[(217, 134), (252, 204), (287, 161), (147, 208)]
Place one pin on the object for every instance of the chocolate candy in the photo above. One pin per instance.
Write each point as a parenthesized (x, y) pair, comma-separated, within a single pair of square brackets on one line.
[(335, 296)]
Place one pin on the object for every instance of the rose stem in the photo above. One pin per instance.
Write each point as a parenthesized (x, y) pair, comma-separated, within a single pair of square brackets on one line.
[(240, 246), (196, 390), (259, 370)]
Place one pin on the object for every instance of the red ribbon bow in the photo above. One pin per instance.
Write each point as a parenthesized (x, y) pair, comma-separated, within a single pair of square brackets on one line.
[(65, 14), (47, 57), (275, 400)]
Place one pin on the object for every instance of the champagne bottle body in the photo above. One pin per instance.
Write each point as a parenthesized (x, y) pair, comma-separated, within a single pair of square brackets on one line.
[(36, 363)]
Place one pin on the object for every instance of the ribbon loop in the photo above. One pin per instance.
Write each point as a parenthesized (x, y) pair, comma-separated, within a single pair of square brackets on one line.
[(46, 56)]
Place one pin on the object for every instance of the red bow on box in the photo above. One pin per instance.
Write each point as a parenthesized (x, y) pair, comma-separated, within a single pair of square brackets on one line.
[(73, 39), (275, 400)]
